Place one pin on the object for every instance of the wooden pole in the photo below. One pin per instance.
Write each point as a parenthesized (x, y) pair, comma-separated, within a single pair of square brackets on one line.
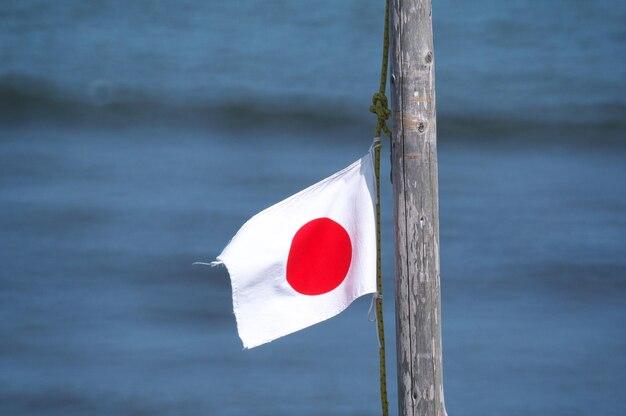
[(416, 210)]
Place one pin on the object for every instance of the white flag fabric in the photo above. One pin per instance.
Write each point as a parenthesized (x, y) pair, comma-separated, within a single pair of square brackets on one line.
[(305, 259)]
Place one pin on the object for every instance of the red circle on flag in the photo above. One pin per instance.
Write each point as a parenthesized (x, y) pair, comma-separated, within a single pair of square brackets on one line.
[(319, 257)]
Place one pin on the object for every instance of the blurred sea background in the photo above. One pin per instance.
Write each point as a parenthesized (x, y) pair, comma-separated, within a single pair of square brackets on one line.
[(136, 137)]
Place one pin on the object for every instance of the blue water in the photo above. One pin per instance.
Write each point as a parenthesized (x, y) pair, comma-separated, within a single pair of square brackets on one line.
[(136, 137)]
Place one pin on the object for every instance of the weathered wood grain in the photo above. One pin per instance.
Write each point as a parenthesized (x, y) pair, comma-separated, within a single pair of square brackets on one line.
[(415, 188)]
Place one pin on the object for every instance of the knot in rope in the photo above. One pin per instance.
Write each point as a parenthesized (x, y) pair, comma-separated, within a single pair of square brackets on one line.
[(380, 108)]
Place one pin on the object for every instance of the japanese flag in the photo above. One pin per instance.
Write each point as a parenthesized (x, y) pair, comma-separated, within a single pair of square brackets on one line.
[(305, 259)]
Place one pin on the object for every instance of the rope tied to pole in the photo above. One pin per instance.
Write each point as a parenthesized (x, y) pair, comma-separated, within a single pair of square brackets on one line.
[(380, 107)]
